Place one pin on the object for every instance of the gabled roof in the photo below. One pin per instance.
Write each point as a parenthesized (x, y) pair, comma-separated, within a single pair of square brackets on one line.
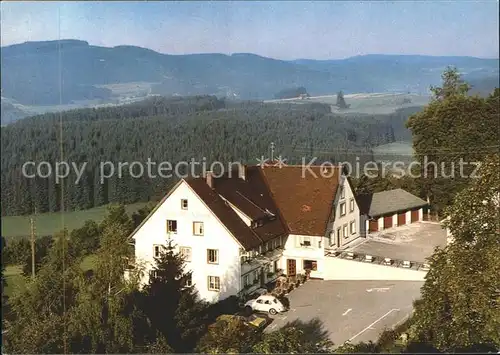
[(392, 201), (304, 198), (287, 200), (227, 216), (154, 209), (252, 197)]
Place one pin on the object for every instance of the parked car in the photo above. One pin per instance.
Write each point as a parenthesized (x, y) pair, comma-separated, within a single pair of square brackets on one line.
[(255, 321), (265, 303)]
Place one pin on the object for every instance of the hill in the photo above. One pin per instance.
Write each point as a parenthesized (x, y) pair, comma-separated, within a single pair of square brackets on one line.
[(72, 72)]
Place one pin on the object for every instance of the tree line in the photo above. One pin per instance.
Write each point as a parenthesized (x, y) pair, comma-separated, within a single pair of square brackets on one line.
[(171, 130), (65, 309)]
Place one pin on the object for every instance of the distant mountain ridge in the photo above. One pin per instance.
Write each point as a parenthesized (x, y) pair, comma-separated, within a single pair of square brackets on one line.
[(33, 73)]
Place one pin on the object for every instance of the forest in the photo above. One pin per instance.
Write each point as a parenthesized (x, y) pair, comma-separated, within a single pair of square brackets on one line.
[(66, 309), (173, 130)]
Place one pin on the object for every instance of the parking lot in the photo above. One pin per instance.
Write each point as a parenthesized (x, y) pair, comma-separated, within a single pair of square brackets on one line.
[(413, 242), (351, 310)]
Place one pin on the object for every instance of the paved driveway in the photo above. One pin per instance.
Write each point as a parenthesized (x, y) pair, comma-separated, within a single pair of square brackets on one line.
[(351, 310), (414, 242)]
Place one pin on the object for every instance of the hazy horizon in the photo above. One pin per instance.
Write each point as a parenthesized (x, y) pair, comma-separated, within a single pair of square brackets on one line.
[(275, 29)]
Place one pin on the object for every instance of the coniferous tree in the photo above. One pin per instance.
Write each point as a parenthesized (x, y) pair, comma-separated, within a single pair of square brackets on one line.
[(171, 304)]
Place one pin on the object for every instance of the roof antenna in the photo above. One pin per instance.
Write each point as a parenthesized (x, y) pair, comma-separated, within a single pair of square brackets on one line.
[(272, 151)]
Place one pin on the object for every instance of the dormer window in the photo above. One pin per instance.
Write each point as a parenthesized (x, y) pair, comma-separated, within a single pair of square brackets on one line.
[(270, 215)]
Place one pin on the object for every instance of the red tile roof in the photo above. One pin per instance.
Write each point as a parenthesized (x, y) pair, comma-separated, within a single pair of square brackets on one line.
[(304, 197), (287, 200)]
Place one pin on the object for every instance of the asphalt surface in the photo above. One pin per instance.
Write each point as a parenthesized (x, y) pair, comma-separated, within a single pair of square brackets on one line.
[(414, 242), (351, 310)]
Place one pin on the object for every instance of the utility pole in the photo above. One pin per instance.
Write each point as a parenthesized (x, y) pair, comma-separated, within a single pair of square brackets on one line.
[(32, 223)]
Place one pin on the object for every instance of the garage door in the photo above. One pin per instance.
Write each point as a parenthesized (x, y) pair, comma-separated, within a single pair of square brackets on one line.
[(414, 216), (387, 222), (373, 226), (402, 219)]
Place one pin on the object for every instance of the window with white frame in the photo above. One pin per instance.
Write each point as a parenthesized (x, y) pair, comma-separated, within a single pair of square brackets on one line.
[(214, 283), (319, 243), (157, 250), (353, 227), (171, 226), (351, 205), (256, 276), (185, 253), (189, 280), (342, 209), (346, 235), (198, 228), (342, 193), (184, 204), (212, 256), (311, 265)]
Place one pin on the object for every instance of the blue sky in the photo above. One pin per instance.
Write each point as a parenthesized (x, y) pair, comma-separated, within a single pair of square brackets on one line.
[(278, 29)]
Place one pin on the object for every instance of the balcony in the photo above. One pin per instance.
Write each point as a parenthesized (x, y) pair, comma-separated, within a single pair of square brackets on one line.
[(261, 260)]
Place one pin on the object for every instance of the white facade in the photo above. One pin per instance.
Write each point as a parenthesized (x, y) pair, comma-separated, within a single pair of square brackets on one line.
[(215, 237), (303, 248), (394, 220), (309, 251), (346, 218), (336, 270), (220, 265)]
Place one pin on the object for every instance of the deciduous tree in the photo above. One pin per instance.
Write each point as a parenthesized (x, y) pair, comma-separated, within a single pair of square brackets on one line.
[(461, 295)]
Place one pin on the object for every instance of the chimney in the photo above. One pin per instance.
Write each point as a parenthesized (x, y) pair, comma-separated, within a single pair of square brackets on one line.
[(210, 179), (241, 171)]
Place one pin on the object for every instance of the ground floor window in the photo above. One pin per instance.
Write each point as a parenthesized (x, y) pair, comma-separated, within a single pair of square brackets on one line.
[(275, 266), (311, 265), (256, 276), (189, 280), (214, 283)]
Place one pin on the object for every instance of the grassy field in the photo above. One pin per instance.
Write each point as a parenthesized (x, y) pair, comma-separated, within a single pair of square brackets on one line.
[(51, 223), (16, 280), (369, 103)]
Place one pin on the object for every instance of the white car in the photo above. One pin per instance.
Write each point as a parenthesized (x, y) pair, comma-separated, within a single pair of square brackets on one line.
[(265, 303)]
